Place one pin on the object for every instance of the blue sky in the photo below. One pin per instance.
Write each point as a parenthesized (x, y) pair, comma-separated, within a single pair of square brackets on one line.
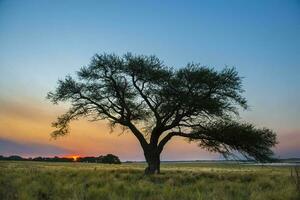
[(41, 41)]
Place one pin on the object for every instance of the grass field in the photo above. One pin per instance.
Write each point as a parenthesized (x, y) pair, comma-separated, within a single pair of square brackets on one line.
[(40, 180)]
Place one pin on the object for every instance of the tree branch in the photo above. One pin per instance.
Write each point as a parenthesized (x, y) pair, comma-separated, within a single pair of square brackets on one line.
[(145, 98), (167, 138)]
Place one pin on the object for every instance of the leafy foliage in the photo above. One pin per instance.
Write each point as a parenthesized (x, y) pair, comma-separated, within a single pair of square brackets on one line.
[(156, 102)]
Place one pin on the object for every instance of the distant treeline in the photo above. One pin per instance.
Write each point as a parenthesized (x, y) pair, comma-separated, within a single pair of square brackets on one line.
[(109, 158)]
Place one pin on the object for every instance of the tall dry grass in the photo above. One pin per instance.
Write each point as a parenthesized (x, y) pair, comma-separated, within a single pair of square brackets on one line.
[(33, 180)]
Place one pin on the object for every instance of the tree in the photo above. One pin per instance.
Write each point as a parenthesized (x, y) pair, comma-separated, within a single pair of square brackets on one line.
[(110, 159), (156, 103)]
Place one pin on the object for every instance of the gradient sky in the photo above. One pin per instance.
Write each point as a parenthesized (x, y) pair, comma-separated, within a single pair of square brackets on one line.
[(41, 41)]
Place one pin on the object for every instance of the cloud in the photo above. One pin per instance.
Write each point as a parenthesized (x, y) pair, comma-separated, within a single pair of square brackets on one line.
[(28, 109), (25, 128), (9, 147)]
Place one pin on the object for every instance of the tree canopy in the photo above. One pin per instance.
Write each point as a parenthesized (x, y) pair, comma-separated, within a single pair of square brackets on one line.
[(156, 102)]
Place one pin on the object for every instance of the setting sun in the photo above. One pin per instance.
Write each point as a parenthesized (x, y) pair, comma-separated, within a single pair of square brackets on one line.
[(74, 157), (150, 100)]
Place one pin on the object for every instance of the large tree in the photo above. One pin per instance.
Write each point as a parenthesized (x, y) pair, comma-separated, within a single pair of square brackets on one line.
[(156, 103)]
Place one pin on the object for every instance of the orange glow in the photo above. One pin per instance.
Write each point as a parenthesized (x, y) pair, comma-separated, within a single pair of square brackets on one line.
[(30, 122), (74, 157)]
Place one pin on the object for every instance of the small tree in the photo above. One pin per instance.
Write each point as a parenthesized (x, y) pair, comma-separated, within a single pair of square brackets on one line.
[(156, 103), (110, 159)]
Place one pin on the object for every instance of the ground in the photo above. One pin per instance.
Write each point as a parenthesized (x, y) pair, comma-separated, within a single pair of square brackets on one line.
[(41, 180)]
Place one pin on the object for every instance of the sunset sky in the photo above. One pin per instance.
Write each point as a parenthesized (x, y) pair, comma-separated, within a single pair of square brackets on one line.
[(42, 41)]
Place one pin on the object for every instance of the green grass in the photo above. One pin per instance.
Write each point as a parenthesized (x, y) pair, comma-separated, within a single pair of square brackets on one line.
[(40, 180)]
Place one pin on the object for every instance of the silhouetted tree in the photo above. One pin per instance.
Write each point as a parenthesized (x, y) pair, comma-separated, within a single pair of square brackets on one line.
[(110, 159), (15, 157), (87, 159), (38, 159), (157, 103)]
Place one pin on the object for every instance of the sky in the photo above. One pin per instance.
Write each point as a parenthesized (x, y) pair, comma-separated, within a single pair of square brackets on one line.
[(42, 41)]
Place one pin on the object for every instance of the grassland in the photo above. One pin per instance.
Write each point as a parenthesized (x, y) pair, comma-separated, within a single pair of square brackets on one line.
[(41, 180)]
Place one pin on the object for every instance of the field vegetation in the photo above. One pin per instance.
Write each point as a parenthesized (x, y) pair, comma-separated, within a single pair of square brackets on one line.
[(43, 180)]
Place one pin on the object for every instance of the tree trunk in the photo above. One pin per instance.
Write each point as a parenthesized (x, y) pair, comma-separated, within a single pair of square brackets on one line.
[(153, 160)]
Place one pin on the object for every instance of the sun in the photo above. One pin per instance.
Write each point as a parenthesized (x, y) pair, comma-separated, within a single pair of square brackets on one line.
[(74, 157)]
